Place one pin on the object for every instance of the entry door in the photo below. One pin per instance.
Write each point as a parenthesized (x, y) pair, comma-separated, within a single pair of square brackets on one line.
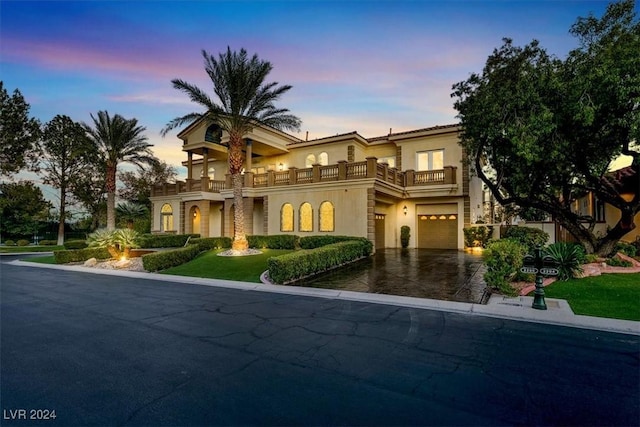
[(438, 231), (380, 238)]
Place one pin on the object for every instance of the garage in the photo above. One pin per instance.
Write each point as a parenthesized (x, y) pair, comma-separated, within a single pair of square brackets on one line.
[(438, 231)]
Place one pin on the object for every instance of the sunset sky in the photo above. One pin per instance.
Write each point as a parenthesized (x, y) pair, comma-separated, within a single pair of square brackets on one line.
[(354, 65)]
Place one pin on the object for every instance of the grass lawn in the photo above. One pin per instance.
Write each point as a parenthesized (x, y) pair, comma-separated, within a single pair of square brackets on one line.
[(50, 259), (21, 249), (616, 296), (211, 266)]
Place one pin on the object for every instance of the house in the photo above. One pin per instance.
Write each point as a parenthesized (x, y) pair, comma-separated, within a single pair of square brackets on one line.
[(344, 185)]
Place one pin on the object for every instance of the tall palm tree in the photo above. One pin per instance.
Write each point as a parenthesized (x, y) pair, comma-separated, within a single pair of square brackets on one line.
[(245, 100), (117, 140)]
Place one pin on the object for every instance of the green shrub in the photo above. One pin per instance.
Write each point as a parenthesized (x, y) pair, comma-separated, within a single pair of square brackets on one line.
[(569, 257), (405, 234), (80, 255), (9, 243), (22, 242), (590, 258), (277, 241), (166, 259), (530, 237), (297, 265), (503, 259), (165, 240), (48, 242), (477, 237), (312, 242), (626, 248), (617, 262), (75, 244), (207, 243)]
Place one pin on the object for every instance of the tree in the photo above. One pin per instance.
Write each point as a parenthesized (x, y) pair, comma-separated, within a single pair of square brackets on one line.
[(137, 184), (245, 101), (64, 145), (130, 212), (118, 140), (89, 189), (541, 132), (22, 209), (19, 134)]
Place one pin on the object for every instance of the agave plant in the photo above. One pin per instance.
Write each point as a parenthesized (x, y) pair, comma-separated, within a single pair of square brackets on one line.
[(569, 257)]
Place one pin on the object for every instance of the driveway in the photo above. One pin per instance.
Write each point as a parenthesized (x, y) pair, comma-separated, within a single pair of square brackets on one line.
[(424, 273), (113, 350)]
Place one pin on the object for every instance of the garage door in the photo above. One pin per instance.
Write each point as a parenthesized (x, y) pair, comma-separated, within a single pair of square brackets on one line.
[(438, 231)]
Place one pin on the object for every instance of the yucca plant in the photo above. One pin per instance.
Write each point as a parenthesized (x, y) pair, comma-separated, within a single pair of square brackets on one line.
[(569, 257), (118, 242)]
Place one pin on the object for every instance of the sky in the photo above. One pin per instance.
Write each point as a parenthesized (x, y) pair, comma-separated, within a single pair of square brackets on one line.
[(366, 66)]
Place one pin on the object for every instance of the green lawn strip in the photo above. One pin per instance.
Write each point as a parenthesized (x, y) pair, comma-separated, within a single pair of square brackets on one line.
[(243, 268), (49, 259), (22, 249), (615, 296)]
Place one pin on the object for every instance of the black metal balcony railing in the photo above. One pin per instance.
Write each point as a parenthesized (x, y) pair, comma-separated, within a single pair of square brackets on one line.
[(338, 172)]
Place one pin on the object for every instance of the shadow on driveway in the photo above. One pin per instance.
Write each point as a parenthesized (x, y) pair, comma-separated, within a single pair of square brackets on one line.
[(449, 275)]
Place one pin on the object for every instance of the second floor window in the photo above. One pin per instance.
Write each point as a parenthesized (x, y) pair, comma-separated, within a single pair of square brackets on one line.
[(430, 160), (310, 161)]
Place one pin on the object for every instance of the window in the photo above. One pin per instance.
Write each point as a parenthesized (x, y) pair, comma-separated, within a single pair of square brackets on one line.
[(391, 161), (311, 159), (326, 219), (323, 159), (306, 217), (286, 217), (430, 160), (166, 213), (213, 134)]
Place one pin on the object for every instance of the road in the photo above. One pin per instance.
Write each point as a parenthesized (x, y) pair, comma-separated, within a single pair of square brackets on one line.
[(114, 351)]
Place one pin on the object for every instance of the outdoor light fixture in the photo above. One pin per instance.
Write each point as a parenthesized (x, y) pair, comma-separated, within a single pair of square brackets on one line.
[(195, 214), (628, 197), (405, 210), (281, 167)]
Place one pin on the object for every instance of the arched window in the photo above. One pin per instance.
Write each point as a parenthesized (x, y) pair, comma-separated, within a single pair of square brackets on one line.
[(166, 213), (286, 217), (306, 217), (213, 134), (326, 214), (323, 159), (311, 159)]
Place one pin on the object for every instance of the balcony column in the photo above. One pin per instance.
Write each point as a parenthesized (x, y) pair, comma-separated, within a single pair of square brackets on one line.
[(316, 172), (248, 179), (372, 167), (293, 175), (409, 177), (450, 174), (249, 154), (342, 170), (189, 165)]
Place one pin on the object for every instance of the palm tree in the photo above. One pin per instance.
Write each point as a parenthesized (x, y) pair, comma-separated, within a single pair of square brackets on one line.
[(245, 100), (117, 140)]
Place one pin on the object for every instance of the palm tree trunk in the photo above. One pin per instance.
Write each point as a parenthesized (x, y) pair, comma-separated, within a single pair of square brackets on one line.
[(236, 161), (111, 196)]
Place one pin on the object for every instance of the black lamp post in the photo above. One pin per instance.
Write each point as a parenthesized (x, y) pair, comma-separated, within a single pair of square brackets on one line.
[(540, 265)]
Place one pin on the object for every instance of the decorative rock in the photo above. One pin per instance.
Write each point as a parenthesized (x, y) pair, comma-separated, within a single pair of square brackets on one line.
[(91, 262), (123, 263)]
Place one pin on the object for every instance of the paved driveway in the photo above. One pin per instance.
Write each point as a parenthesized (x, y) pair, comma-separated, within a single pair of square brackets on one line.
[(424, 273)]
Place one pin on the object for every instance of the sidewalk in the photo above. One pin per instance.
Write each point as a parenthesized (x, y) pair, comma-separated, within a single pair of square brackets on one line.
[(518, 308)]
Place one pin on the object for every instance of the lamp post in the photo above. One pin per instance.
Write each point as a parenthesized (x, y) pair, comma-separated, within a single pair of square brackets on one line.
[(541, 266)]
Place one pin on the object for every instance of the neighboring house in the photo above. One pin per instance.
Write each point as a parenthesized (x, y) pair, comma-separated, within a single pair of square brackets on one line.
[(605, 215), (342, 185)]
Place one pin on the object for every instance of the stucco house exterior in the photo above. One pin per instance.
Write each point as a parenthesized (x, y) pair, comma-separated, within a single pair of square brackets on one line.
[(344, 185)]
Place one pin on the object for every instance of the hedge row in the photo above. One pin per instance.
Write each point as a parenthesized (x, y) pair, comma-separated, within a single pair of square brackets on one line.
[(165, 240), (312, 242), (75, 244), (80, 255), (167, 259), (277, 241), (207, 243), (297, 265)]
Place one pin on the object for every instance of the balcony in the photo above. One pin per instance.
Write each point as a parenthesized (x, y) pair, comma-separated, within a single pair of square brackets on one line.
[(342, 171)]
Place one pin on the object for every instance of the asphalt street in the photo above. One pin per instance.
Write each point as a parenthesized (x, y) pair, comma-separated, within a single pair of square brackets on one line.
[(117, 351)]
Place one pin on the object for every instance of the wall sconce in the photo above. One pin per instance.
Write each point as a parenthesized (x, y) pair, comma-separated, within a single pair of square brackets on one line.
[(628, 196), (280, 167), (405, 210), (195, 214)]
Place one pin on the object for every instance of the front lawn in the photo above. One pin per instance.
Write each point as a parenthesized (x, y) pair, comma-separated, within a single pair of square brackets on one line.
[(22, 249), (615, 296), (210, 265)]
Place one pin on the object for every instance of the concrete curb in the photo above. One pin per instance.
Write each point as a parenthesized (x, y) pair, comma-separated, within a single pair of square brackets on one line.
[(519, 308)]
